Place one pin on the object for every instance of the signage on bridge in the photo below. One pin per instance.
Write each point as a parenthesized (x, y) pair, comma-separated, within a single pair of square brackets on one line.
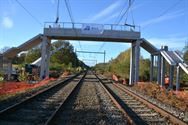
[(94, 29)]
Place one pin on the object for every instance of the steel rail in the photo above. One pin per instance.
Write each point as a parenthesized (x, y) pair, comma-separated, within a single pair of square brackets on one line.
[(164, 113), (15, 106), (116, 103), (53, 116)]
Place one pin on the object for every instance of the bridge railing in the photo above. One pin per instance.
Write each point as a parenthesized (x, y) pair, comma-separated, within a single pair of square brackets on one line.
[(104, 26)]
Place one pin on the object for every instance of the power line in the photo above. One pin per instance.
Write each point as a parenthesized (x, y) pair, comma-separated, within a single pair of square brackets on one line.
[(168, 9), (69, 11), (130, 4), (174, 5), (120, 12), (57, 16), (102, 46), (29, 13), (116, 21), (71, 17)]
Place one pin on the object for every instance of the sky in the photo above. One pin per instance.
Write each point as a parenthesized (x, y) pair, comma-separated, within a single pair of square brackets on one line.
[(162, 22)]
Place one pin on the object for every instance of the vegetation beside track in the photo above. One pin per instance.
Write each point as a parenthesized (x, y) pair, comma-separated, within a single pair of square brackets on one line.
[(120, 67), (175, 99)]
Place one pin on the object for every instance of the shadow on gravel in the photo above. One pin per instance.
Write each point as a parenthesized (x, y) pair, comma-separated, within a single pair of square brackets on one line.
[(74, 114), (137, 120)]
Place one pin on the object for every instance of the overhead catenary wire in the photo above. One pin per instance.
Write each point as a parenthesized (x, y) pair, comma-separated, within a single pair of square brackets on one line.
[(130, 4), (57, 12), (68, 6), (116, 22), (119, 16), (167, 10), (132, 17), (28, 12), (164, 12)]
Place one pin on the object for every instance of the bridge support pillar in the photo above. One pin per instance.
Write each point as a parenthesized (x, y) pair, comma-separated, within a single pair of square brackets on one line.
[(45, 54), (9, 69), (137, 59), (162, 71), (1, 62), (159, 69), (177, 78), (134, 62), (48, 58), (171, 75), (151, 68)]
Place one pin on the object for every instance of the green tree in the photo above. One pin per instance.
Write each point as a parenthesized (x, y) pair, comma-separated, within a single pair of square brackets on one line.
[(144, 70), (32, 55), (121, 66), (65, 55), (19, 59)]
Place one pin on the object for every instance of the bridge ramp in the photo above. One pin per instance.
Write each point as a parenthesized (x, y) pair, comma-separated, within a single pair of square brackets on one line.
[(173, 58), (12, 52)]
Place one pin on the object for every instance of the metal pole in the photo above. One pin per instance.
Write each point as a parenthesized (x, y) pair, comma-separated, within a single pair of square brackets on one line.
[(177, 78), (162, 71), (104, 60), (104, 56), (159, 69), (151, 68)]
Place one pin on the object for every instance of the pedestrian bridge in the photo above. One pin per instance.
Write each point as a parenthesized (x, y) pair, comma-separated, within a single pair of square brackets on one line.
[(99, 33), (92, 32)]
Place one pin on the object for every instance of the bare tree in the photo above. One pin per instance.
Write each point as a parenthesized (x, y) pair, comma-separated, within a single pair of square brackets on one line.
[(4, 49)]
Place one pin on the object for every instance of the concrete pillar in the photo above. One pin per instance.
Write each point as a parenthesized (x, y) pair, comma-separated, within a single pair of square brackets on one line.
[(151, 68), (43, 56), (159, 69), (162, 71), (48, 58), (171, 75), (137, 59), (132, 64), (178, 78), (1, 62), (9, 69)]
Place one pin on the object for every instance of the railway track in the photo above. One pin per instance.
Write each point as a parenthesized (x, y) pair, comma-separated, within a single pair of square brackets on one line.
[(82, 100), (37, 109), (86, 99), (88, 104), (140, 110)]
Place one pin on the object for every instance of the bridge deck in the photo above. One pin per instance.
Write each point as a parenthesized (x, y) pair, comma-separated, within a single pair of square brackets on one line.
[(76, 34)]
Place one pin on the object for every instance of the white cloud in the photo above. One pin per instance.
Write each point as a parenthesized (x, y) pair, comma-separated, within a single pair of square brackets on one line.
[(7, 22), (106, 11), (172, 43), (110, 17), (162, 18)]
